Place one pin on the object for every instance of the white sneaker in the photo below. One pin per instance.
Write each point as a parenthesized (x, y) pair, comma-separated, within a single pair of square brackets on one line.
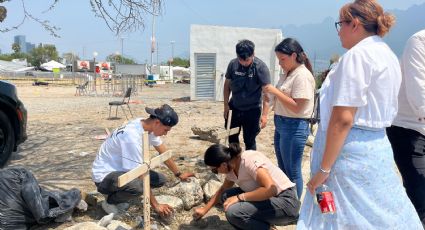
[(109, 208)]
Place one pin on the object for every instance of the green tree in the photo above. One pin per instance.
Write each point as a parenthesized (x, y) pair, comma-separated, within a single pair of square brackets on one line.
[(16, 48), (177, 61), (70, 57), (42, 54), (120, 59)]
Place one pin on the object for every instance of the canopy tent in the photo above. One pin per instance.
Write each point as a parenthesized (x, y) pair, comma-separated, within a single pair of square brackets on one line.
[(8, 66), (52, 65)]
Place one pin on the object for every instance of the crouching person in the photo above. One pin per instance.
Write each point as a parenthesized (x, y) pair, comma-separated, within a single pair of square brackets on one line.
[(265, 195), (122, 151)]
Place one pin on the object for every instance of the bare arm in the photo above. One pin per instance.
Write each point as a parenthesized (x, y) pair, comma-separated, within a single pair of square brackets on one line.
[(340, 124), (265, 112), (295, 105), (266, 190)]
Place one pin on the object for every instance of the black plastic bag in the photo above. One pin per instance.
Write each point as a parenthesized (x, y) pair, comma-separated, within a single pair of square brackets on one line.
[(23, 203)]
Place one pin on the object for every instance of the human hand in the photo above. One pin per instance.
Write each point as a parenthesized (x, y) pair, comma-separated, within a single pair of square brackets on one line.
[(263, 121), (229, 201), (164, 210), (226, 111), (269, 88), (198, 213), (318, 179), (185, 176)]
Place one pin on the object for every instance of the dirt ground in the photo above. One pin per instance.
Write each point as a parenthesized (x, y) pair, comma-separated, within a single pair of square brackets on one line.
[(61, 145)]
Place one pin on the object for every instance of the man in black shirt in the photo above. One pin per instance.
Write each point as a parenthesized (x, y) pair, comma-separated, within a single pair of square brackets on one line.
[(246, 76)]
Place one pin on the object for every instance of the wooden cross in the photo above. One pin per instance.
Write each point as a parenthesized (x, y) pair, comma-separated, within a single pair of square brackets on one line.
[(228, 132), (143, 170)]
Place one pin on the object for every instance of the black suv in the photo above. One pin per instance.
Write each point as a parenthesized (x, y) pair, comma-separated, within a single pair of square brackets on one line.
[(13, 121)]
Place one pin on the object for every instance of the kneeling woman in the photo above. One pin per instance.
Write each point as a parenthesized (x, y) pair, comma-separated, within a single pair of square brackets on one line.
[(265, 195)]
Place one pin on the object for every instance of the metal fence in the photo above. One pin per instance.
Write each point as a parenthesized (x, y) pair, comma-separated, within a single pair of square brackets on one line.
[(112, 85)]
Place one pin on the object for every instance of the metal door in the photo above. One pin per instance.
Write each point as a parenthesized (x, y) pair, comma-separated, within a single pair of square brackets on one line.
[(205, 76)]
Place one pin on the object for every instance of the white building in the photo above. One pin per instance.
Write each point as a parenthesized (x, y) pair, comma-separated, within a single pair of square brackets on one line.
[(212, 48)]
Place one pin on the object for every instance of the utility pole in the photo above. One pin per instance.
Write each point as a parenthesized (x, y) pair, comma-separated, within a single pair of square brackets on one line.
[(122, 48), (153, 34)]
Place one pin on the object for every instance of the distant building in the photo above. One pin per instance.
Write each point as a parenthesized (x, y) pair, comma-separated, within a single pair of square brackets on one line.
[(29, 46), (25, 46), (212, 48), (20, 40)]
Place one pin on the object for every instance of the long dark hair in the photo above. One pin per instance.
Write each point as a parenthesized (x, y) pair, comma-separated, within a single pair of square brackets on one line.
[(218, 153), (289, 46)]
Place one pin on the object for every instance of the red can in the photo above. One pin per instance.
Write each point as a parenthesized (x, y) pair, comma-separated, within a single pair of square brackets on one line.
[(325, 200)]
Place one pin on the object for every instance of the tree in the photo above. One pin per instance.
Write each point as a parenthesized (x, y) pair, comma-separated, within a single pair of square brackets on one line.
[(180, 62), (42, 54), (120, 16), (70, 57), (16, 48), (119, 59)]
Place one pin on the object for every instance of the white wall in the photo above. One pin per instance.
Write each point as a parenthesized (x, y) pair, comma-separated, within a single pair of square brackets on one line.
[(222, 41)]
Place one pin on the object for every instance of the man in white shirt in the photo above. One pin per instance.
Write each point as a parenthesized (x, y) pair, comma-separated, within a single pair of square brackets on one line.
[(407, 134), (122, 151)]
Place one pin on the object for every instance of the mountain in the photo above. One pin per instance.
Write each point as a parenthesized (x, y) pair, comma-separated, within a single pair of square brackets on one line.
[(321, 40)]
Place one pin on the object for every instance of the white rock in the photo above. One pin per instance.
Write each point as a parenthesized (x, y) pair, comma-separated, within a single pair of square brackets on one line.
[(118, 225), (210, 188), (86, 226), (190, 192), (175, 202)]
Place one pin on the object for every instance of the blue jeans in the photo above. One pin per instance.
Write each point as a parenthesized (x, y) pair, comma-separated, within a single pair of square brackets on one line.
[(290, 137)]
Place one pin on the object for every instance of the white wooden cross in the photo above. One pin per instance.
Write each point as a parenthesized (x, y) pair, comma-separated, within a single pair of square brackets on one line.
[(143, 170), (228, 132)]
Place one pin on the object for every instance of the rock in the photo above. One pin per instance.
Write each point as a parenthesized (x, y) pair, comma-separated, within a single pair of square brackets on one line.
[(67, 216), (106, 220), (210, 188), (118, 225), (86, 226), (175, 202), (208, 133), (92, 198), (82, 206), (190, 192)]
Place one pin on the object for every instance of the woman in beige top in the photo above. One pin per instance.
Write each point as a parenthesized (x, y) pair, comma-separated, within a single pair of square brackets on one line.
[(265, 195), (293, 106)]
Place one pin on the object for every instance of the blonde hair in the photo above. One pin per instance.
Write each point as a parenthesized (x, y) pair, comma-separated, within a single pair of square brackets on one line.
[(370, 14)]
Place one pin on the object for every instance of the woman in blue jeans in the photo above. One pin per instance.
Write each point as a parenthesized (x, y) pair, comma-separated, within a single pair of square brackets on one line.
[(293, 100)]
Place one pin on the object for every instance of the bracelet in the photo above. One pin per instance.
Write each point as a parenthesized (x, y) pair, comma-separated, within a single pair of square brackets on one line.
[(177, 174), (239, 199), (325, 171)]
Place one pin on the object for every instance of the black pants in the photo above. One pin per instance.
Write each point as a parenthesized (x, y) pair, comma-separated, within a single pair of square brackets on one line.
[(409, 154), (134, 189), (250, 122), (257, 215)]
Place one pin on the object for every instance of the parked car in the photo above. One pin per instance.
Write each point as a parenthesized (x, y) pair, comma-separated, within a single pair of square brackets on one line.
[(13, 121)]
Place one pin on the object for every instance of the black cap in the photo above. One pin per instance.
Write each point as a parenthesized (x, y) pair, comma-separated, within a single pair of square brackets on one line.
[(165, 114)]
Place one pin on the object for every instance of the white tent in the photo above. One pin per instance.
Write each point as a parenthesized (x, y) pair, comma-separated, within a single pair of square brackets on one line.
[(7, 66), (51, 65)]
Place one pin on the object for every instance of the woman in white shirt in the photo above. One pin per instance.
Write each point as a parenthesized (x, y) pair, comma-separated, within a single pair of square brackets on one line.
[(351, 152), (293, 105)]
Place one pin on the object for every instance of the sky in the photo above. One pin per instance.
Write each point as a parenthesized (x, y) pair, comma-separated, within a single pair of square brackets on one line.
[(83, 34)]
